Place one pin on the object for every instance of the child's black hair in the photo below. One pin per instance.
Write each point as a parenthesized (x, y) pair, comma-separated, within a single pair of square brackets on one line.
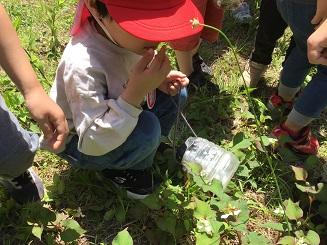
[(102, 9)]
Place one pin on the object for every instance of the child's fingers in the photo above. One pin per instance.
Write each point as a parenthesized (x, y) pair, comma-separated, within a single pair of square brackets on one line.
[(47, 129), (173, 90), (165, 67), (59, 131), (157, 61), (144, 61), (180, 82), (316, 19), (184, 82), (174, 75)]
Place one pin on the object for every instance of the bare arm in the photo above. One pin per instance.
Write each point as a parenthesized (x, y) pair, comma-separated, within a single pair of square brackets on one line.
[(321, 13), (16, 64)]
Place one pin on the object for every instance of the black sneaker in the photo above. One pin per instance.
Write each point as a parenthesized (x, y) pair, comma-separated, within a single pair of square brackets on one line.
[(201, 76), (163, 147), (200, 66), (27, 187), (198, 80), (137, 183)]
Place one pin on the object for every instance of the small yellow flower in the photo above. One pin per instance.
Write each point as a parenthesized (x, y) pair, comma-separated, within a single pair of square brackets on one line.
[(195, 22), (230, 211)]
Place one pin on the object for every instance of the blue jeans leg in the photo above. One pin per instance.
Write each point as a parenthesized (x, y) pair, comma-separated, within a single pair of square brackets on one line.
[(298, 14), (166, 109), (137, 152), (17, 147), (296, 68), (313, 99)]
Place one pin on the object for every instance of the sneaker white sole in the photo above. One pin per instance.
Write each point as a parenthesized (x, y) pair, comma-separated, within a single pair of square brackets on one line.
[(130, 195)]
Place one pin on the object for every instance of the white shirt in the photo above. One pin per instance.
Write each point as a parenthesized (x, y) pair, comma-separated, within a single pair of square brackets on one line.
[(90, 78)]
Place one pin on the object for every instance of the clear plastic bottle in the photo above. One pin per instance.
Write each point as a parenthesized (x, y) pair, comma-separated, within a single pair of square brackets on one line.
[(216, 162)]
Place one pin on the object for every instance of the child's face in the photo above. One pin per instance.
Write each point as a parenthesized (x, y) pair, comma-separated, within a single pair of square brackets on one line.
[(126, 40)]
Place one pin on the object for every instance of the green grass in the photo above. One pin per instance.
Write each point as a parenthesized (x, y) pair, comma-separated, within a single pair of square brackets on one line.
[(184, 210)]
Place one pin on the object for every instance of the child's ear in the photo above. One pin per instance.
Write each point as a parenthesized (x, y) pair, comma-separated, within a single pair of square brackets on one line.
[(91, 5)]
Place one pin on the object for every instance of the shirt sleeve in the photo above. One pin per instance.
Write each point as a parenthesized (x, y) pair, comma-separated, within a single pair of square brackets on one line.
[(101, 123)]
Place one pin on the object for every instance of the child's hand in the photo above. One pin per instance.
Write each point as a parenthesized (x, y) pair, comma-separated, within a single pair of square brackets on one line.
[(49, 116), (321, 13), (317, 45), (146, 76), (174, 82)]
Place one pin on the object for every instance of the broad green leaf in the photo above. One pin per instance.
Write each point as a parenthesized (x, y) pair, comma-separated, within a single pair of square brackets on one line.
[(37, 231), (299, 234), (58, 184), (215, 187), (275, 226), (167, 223), (312, 162), (120, 214), (313, 238), (254, 238), (49, 239), (322, 195), (239, 137), (203, 210), (308, 188), (253, 164), (123, 238), (323, 210), (287, 240), (194, 168), (300, 173), (217, 226), (69, 235), (109, 215), (248, 115), (204, 239), (73, 225), (244, 144), (243, 217), (266, 140), (152, 201), (198, 180), (187, 225), (243, 171), (293, 210), (172, 202)]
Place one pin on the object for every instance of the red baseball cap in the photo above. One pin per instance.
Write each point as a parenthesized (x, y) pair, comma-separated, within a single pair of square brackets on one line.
[(152, 20)]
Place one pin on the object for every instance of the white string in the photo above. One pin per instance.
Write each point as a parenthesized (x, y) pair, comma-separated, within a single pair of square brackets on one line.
[(103, 27)]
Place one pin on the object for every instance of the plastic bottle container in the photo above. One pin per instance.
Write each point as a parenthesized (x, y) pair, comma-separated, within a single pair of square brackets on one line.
[(216, 162)]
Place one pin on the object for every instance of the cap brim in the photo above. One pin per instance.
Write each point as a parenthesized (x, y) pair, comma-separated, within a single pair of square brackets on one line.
[(158, 25)]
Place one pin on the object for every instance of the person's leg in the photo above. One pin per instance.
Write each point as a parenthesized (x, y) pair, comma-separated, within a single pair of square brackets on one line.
[(312, 100), (166, 109), (137, 152), (129, 165), (271, 28), (17, 153), (298, 16), (295, 69)]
